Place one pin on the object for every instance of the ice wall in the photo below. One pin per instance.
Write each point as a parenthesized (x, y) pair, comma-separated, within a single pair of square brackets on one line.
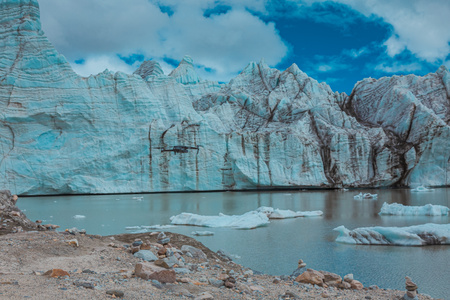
[(62, 133)]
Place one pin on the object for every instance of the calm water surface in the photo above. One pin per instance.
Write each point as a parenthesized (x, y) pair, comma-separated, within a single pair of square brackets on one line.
[(276, 248)]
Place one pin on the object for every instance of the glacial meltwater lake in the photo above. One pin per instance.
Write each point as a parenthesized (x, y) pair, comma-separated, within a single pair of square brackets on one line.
[(276, 248)]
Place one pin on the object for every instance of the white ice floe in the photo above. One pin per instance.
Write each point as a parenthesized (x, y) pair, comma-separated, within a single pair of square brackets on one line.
[(248, 220), (397, 209), (145, 228), (79, 217), (272, 213), (421, 188), (202, 233), (418, 235), (362, 196)]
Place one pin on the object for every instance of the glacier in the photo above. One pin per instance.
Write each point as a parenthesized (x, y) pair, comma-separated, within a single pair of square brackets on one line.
[(418, 235), (61, 133), (398, 209)]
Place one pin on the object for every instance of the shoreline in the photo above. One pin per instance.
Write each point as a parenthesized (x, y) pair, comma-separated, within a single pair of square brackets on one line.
[(267, 189), (99, 266)]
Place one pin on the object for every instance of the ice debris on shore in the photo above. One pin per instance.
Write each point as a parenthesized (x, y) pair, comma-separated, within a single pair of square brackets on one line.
[(249, 220), (398, 209), (418, 235), (421, 188), (362, 196)]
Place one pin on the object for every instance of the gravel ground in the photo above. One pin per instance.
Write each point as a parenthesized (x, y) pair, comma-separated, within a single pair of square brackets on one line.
[(102, 267), (100, 264)]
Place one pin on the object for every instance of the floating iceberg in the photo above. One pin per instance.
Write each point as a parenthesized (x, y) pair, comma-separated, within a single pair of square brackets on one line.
[(421, 188), (362, 196), (142, 229), (202, 233), (397, 209), (248, 220), (285, 214), (419, 235), (79, 217)]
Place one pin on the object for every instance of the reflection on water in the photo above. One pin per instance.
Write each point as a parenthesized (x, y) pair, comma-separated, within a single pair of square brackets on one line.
[(276, 248)]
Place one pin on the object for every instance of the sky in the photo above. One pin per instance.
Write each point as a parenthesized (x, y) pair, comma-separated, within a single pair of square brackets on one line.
[(335, 41)]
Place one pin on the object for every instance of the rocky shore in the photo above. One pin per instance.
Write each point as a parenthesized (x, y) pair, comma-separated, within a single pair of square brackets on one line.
[(37, 262)]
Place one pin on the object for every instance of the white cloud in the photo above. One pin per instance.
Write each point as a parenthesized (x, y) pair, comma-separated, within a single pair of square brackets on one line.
[(98, 30), (92, 64), (398, 67), (421, 26)]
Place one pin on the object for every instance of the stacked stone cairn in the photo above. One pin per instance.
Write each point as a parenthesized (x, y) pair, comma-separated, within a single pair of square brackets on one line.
[(411, 290)]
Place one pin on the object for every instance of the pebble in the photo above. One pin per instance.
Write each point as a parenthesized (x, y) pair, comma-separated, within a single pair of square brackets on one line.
[(115, 293), (85, 284)]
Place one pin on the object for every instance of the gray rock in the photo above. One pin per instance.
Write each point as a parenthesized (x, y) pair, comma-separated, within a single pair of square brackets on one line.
[(195, 252), (157, 284), (115, 293), (137, 243), (181, 270), (224, 255), (85, 284), (215, 282), (204, 296), (147, 270), (163, 239), (348, 278), (289, 295), (146, 255)]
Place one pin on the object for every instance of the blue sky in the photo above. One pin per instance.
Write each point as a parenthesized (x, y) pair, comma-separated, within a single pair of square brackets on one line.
[(339, 41)]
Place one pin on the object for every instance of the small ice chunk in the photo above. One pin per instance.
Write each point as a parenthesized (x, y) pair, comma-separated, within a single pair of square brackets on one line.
[(362, 196), (398, 209), (421, 188), (79, 217), (285, 214)]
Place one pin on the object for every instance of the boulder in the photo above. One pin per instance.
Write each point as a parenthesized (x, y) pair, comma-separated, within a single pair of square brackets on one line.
[(147, 270), (348, 278), (55, 273), (146, 255), (356, 285), (344, 285), (331, 279), (311, 276), (195, 252)]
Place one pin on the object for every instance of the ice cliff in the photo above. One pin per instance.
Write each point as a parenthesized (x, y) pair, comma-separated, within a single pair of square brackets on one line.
[(62, 133)]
